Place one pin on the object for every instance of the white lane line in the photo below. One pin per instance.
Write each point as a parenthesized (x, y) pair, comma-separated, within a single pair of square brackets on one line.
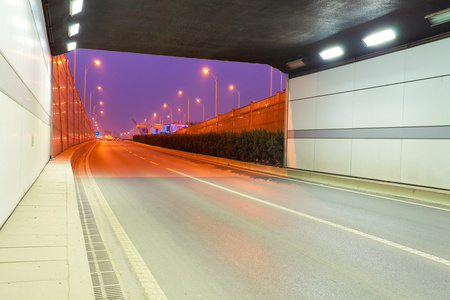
[(154, 163), (344, 228), (324, 185), (147, 281)]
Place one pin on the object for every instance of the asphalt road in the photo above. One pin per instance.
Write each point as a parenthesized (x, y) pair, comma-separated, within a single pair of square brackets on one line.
[(207, 231)]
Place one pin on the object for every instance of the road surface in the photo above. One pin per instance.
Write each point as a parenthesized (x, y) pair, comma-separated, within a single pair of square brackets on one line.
[(208, 231)]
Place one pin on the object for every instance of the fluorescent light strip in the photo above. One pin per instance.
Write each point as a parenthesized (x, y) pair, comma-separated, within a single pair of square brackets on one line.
[(71, 46), (331, 53), (74, 29), (76, 6), (439, 17), (379, 38)]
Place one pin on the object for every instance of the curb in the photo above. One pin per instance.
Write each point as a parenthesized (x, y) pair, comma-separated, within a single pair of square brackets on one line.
[(423, 194)]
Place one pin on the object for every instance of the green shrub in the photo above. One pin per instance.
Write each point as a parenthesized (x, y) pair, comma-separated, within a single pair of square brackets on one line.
[(259, 146)]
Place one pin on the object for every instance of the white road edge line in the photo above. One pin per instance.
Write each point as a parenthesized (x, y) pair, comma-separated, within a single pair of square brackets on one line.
[(146, 278), (344, 228), (322, 185)]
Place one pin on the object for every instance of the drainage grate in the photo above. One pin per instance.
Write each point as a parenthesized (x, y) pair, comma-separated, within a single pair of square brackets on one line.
[(104, 279)]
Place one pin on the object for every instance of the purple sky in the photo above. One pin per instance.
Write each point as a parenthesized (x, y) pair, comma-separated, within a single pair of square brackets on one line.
[(137, 85)]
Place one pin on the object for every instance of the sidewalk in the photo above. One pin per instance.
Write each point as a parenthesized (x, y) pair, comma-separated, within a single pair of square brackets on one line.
[(42, 249)]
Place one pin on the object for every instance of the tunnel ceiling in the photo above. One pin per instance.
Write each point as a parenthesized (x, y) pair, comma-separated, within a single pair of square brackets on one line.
[(257, 31)]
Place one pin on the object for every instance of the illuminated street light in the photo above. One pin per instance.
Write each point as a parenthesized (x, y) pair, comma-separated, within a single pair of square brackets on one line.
[(198, 100), (90, 99), (239, 95), (93, 113), (181, 93), (184, 115), (165, 105), (100, 112), (97, 62), (215, 79), (154, 115)]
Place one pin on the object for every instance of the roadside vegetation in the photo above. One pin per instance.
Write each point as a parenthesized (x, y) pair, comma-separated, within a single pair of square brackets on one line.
[(258, 146)]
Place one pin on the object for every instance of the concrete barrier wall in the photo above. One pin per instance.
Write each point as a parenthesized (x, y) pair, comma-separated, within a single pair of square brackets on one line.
[(25, 100), (385, 118)]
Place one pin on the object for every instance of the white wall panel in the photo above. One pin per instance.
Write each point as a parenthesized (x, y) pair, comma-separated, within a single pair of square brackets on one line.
[(378, 107), (377, 159), (304, 114), (378, 71), (334, 111), (25, 100), (426, 163), (427, 102), (429, 60), (305, 154), (333, 156), (10, 151), (303, 87), (408, 88), (336, 80)]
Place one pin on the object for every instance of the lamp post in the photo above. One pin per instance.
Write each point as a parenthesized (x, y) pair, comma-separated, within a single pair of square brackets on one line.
[(181, 93), (90, 99), (233, 88), (184, 116), (95, 118), (198, 100), (165, 105), (97, 62), (154, 115), (215, 79), (93, 113)]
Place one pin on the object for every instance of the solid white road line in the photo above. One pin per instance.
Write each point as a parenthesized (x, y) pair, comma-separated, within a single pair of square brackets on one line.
[(344, 228), (147, 281)]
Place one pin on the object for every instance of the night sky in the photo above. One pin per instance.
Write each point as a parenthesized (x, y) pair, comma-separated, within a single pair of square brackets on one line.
[(137, 85)]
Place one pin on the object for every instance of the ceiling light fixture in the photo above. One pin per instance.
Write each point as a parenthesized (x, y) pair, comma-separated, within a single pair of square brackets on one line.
[(379, 37), (331, 53), (74, 28), (295, 64), (438, 18), (76, 6), (71, 45)]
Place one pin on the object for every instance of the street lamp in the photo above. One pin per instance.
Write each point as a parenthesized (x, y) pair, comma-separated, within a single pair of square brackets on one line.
[(184, 116), (198, 100), (97, 62), (215, 79), (100, 112), (181, 93), (90, 99), (93, 113), (165, 105), (239, 95), (154, 115)]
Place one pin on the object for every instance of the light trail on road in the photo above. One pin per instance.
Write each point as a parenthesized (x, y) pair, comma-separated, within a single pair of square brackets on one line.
[(210, 231)]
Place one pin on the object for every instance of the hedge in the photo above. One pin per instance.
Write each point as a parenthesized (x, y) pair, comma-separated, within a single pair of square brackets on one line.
[(259, 146)]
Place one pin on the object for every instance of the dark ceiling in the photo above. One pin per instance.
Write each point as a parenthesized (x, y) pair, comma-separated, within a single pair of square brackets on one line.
[(259, 31)]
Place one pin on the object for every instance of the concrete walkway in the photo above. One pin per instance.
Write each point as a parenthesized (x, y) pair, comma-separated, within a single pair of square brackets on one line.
[(42, 249)]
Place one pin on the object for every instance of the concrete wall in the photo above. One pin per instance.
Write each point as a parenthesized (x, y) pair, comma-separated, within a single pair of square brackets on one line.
[(25, 99), (385, 118)]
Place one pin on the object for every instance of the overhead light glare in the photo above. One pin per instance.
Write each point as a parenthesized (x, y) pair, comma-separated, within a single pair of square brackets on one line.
[(74, 29), (331, 53), (295, 64), (76, 6), (438, 18), (379, 37), (71, 46)]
